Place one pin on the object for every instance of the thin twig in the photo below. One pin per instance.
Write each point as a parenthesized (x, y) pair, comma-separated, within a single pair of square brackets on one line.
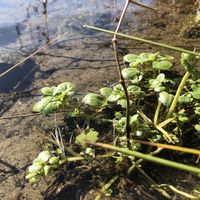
[(18, 116), (121, 78), (142, 5), (27, 115), (31, 55)]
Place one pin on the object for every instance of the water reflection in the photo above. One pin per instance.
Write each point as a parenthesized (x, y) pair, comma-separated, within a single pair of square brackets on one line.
[(26, 25), (44, 19)]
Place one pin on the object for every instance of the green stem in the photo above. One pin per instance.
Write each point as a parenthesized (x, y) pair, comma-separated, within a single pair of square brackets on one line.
[(167, 121), (150, 158), (166, 135), (166, 46), (155, 121), (106, 187), (178, 93)]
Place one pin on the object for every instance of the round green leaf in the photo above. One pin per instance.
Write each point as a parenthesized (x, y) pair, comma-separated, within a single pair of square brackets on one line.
[(44, 156), (93, 100), (189, 62), (48, 91), (54, 161), (47, 170), (166, 98), (34, 169), (51, 107), (164, 65), (197, 127), (122, 103), (165, 57), (92, 136), (66, 87), (148, 57), (185, 98), (197, 110), (161, 77), (40, 105), (114, 96), (131, 58), (129, 73), (134, 90), (106, 91), (196, 91)]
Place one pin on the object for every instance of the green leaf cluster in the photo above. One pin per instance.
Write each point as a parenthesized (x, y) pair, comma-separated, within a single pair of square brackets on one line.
[(156, 60), (54, 98), (42, 165)]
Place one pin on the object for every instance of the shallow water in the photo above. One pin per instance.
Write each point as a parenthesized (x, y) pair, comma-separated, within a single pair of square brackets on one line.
[(25, 25)]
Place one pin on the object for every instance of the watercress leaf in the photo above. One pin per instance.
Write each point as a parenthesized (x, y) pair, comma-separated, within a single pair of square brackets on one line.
[(122, 103), (131, 58), (197, 110), (161, 77), (40, 105), (92, 135), (129, 73), (44, 156), (197, 127), (30, 176), (134, 120), (137, 79), (54, 161), (48, 91), (159, 89), (146, 57), (93, 100), (166, 98), (156, 84), (32, 180), (51, 107), (34, 169), (185, 98), (118, 88), (114, 96), (67, 87), (196, 91), (47, 170), (81, 138), (38, 161), (89, 151), (189, 62), (106, 91), (163, 65), (183, 118), (134, 90), (165, 57)]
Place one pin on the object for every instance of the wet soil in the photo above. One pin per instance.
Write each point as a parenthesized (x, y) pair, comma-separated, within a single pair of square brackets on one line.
[(86, 60)]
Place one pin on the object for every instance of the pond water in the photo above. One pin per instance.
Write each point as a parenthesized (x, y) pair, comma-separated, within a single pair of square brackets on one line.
[(26, 25)]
